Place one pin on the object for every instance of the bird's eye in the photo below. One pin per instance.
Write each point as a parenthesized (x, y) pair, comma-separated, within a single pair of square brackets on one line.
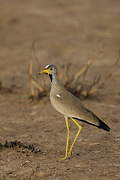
[(51, 69)]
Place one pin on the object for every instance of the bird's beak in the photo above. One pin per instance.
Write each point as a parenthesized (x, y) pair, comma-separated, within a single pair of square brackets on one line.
[(45, 71)]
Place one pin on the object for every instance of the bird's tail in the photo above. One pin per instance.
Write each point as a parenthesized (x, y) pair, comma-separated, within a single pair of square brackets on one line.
[(104, 126), (100, 124)]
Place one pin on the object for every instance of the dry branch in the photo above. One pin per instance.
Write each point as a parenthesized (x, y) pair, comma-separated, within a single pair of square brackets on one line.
[(35, 89), (31, 87), (82, 72)]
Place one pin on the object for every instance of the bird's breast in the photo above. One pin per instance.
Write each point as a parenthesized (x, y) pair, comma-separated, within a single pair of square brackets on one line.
[(61, 105), (57, 103)]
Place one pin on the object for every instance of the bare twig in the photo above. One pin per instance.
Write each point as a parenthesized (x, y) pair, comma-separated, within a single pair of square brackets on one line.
[(35, 84), (66, 72), (82, 72), (32, 91)]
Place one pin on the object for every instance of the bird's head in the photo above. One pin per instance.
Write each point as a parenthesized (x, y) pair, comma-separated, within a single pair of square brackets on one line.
[(49, 69)]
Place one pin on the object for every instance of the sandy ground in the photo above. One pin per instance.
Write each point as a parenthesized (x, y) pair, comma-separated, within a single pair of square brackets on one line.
[(66, 32)]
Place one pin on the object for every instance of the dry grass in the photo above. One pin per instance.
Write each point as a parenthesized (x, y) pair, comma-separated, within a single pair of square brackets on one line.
[(76, 83)]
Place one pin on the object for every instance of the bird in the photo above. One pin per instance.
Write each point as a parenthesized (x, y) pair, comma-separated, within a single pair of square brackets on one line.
[(71, 108)]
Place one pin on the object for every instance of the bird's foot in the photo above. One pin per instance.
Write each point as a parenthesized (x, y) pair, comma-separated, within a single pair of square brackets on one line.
[(64, 158), (69, 154)]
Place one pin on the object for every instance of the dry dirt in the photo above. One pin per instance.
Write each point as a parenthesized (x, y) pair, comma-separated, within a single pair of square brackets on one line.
[(66, 32)]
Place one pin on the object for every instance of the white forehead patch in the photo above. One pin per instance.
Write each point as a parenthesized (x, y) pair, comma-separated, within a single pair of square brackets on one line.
[(47, 66)]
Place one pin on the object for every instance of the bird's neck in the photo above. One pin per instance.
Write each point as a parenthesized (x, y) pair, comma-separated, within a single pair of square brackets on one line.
[(53, 77)]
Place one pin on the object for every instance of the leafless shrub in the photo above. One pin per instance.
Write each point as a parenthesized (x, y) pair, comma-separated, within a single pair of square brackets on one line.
[(37, 90), (77, 83)]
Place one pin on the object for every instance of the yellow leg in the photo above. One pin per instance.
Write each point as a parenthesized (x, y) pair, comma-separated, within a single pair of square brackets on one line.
[(68, 137), (79, 129)]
